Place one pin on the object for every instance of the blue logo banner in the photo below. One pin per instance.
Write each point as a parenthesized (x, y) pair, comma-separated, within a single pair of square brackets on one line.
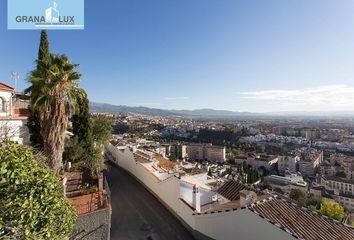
[(45, 14)]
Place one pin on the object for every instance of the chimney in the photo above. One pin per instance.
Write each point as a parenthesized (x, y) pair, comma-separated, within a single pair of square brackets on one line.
[(196, 198), (247, 197)]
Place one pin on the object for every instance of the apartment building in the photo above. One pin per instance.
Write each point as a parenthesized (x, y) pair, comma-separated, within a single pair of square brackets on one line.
[(13, 115), (339, 184), (341, 190), (256, 160), (310, 160), (178, 150), (345, 162), (288, 163), (206, 152)]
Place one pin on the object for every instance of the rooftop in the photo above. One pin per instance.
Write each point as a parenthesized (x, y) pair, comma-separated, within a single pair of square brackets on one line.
[(6, 87), (231, 190), (338, 179), (302, 222)]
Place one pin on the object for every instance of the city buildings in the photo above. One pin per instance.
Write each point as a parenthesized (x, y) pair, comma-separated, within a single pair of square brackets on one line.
[(345, 163), (288, 163), (286, 183), (339, 189), (257, 160), (223, 210), (309, 160), (206, 152)]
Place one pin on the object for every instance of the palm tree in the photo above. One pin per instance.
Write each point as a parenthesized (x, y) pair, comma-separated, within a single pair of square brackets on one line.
[(55, 90)]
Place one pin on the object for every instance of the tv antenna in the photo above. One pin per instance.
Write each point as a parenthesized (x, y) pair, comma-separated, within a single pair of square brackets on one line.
[(15, 77)]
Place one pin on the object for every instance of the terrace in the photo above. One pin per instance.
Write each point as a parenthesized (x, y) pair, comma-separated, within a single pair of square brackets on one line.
[(86, 199)]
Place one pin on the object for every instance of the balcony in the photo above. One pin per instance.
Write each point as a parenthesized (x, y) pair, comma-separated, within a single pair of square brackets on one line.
[(20, 112)]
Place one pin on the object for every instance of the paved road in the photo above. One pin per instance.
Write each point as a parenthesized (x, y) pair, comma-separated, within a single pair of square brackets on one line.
[(136, 214)]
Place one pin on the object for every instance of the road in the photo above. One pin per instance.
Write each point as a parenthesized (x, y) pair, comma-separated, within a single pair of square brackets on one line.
[(136, 213)]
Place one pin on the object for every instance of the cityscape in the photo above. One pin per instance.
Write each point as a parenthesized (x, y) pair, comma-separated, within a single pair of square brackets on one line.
[(177, 120)]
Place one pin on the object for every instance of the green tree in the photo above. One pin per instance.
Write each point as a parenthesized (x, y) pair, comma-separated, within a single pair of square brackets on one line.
[(332, 209), (73, 150), (341, 174), (93, 161), (82, 121), (298, 195), (102, 129), (34, 118), (32, 205), (312, 201), (56, 92)]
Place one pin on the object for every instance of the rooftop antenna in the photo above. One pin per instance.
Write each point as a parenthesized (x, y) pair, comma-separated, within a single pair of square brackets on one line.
[(15, 76)]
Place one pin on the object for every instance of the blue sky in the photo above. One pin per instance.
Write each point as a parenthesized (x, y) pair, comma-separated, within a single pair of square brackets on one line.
[(260, 56)]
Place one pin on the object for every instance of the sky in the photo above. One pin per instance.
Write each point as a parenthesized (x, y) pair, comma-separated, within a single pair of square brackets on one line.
[(254, 56)]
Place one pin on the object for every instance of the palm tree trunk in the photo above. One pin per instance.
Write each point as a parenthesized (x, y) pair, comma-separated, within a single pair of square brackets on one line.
[(56, 120)]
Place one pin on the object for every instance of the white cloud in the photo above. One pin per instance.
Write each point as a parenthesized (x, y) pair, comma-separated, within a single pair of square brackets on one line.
[(176, 98), (329, 97)]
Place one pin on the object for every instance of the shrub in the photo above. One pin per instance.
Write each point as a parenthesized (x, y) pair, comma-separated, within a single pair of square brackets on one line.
[(32, 205), (299, 196), (332, 209)]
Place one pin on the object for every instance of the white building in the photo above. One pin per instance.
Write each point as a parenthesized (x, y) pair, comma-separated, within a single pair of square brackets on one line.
[(287, 163), (13, 115)]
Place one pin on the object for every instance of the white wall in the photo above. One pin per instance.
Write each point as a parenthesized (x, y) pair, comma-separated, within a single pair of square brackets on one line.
[(239, 224), (15, 129), (187, 193)]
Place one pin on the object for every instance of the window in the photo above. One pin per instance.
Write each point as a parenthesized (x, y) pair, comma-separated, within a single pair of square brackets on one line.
[(2, 105)]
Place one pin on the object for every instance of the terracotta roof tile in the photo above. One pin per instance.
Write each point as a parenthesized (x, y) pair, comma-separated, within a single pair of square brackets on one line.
[(231, 190), (302, 222), (6, 87)]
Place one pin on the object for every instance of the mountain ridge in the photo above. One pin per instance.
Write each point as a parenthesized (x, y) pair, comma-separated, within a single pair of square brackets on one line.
[(209, 113), (111, 108)]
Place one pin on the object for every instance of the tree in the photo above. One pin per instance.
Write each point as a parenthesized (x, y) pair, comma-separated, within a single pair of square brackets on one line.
[(73, 150), (341, 174), (312, 201), (332, 209), (32, 205), (82, 121), (33, 122), (298, 195), (56, 92), (93, 161), (102, 129)]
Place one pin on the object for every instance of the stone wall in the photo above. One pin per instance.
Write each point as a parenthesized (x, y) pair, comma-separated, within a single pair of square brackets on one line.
[(93, 226)]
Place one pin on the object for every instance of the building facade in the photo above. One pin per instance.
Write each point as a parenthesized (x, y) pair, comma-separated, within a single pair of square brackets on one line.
[(13, 115), (287, 163), (206, 152)]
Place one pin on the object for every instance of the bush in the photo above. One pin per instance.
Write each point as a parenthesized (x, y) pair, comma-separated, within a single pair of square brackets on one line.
[(332, 209), (313, 201), (32, 205), (299, 196), (341, 174)]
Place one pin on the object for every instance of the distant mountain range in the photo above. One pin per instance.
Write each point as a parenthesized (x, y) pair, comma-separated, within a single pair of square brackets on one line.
[(210, 113), (198, 113)]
